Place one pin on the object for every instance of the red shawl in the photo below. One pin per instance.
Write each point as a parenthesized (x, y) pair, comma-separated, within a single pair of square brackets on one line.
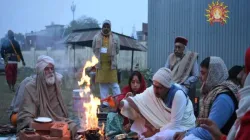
[(247, 63), (244, 131), (127, 89)]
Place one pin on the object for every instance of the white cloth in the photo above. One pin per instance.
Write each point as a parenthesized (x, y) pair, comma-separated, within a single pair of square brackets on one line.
[(163, 135), (182, 113), (244, 106), (178, 117), (129, 112), (42, 62), (158, 114), (164, 77), (139, 126), (151, 107)]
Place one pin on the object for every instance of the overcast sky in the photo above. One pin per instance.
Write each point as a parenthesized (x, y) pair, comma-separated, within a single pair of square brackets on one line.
[(33, 15)]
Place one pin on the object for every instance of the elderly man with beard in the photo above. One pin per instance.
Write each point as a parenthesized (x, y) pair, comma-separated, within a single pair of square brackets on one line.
[(183, 64), (43, 98), (106, 46)]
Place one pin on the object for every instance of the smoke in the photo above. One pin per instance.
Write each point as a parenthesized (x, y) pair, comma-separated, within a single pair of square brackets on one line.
[(51, 42)]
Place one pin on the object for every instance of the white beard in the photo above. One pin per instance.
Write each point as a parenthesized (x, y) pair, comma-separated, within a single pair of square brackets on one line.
[(50, 80)]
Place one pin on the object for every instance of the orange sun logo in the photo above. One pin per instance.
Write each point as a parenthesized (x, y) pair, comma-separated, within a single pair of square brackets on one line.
[(217, 12)]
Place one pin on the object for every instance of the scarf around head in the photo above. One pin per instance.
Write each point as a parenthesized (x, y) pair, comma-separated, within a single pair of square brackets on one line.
[(217, 73)]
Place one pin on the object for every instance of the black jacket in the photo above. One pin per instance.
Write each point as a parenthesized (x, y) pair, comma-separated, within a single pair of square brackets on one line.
[(7, 48)]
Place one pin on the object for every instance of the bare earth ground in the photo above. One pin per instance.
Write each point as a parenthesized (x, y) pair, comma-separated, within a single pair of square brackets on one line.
[(6, 95)]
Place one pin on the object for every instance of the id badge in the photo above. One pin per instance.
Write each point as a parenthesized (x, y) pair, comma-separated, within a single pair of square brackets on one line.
[(104, 50)]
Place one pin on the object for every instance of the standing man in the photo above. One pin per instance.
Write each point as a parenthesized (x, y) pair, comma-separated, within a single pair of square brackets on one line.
[(106, 46), (183, 64), (11, 53)]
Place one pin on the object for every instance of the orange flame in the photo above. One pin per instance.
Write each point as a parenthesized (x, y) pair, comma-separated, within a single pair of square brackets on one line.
[(91, 106), (91, 111), (85, 78)]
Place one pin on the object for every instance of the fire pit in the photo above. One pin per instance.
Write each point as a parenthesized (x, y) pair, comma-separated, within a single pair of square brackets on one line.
[(89, 124), (91, 134)]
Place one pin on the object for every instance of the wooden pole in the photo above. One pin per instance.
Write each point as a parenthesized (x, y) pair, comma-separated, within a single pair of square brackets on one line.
[(74, 57), (132, 61)]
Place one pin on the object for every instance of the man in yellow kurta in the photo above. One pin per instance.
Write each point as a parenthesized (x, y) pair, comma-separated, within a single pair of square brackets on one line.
[(106, 46)]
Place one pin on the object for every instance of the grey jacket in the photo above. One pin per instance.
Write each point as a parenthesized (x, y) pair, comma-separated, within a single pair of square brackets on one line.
[(114, 44)]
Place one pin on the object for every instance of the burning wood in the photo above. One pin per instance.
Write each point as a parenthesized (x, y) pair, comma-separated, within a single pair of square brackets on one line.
[(91, 134), (90, 129)]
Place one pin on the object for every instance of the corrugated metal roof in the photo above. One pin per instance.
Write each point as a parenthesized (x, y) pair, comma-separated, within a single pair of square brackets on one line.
[(85, 37), (170, 18)]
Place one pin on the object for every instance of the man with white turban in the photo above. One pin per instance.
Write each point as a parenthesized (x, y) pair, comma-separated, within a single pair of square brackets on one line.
[(43, 98), (161, 110), (106, 46)]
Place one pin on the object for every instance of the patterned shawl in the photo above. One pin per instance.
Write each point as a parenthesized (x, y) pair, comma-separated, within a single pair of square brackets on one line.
[(181, 68), (215, 84)]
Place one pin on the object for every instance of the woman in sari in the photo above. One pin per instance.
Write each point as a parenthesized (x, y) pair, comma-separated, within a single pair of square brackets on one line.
[(116, 123)]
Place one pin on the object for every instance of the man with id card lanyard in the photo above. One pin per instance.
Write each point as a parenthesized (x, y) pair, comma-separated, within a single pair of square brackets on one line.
[(106, 46)]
